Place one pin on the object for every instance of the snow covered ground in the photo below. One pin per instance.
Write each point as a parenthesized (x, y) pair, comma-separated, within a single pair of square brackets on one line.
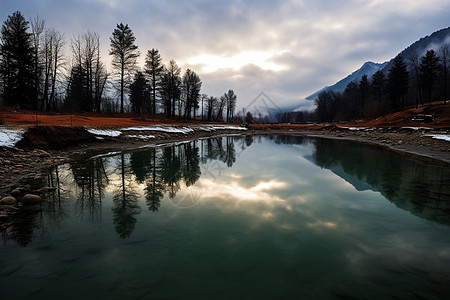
[(9, 137), (168, 129), (182, 129)]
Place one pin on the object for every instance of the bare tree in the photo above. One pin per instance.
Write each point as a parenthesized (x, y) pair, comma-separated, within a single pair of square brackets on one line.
[(88, 74), (53, 62), (230, 99), (191, 90), (444, 54), (37, 28), (413, 60)]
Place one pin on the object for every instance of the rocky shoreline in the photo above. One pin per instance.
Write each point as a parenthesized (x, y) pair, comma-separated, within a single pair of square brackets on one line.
[(19, 167)]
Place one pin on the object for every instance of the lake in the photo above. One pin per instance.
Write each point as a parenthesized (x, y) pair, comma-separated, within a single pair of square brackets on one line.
[(276, 217)]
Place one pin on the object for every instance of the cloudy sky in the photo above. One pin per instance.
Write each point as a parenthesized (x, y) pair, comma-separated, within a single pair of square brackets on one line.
[(287, 49)]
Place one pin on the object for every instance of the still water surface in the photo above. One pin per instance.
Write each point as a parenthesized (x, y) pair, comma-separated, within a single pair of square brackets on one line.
[(277, 217)]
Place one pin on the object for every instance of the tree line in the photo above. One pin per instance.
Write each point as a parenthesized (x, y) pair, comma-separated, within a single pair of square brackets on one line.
[(36, 74), (410, 81)]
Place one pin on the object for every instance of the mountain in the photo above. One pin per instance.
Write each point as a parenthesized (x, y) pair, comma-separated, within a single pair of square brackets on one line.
[(368, 68), (419, 48)]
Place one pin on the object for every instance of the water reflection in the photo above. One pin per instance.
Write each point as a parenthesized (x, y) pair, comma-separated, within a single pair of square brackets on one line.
[(314, 218), (192, 169), (420, 186)]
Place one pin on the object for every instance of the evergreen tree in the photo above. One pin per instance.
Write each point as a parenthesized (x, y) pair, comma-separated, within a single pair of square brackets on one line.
[(124, 53), (378, 85), (139, 92), (17, 64), (397, 83), (429, 68), (364, 91), (154, 69)]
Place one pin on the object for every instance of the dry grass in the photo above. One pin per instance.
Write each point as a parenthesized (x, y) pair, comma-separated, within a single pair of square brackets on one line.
[(403, 118)]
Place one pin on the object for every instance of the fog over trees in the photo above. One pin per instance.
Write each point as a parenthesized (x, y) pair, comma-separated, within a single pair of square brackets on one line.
[(41, 69)]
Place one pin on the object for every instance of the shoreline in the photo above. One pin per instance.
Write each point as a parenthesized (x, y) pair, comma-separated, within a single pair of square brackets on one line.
[(18, 166)]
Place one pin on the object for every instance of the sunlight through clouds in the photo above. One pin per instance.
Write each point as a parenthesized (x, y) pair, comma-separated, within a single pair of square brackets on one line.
[(211, 63)]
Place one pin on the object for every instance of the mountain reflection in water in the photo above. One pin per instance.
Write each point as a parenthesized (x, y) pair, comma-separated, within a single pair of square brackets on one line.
[(414, 184)]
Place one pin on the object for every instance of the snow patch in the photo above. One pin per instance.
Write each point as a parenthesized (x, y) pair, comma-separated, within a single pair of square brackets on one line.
[(168, 129), (444, 137), (9, 137), (416, 128), (220, 127), (111, 133), (141, 136)]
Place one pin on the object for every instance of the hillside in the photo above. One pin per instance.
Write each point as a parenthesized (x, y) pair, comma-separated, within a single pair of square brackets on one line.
[(368, 68), (418, 48)]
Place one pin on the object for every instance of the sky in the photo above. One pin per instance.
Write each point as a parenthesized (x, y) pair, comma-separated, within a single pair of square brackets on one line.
[(285, 49)]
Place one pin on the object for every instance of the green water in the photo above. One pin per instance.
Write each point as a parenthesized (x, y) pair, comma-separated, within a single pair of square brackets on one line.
[(277, 217)]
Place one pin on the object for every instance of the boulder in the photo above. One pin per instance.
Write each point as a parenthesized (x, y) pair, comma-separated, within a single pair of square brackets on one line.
[(8, 200), (31, 198), (8, 208), (15, 193), (46, 189)]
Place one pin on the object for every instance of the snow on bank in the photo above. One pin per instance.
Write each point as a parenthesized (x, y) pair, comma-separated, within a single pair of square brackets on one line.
[(141, 136), (168, 129), (444, 137), (416, 128), (9, 137), (183, 130), (220, 127), (111, 133)]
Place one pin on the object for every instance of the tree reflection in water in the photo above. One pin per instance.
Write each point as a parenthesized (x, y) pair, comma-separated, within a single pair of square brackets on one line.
[(409, 182)]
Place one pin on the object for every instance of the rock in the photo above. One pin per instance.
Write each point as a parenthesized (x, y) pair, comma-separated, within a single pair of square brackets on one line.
[(15, 193), (25, 189), (31, 198), (47, 189), (9, 200), (8, 208)]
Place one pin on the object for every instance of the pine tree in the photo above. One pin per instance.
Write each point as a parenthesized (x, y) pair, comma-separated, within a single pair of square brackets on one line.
[(364, 91), (17, 63), (398, 80), (378, 85), (139, 92), (154, 69), (124, 53), (429, 68)]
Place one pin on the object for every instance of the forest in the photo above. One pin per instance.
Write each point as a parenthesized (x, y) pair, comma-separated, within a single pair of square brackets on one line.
[(411, 81), (36, 73)]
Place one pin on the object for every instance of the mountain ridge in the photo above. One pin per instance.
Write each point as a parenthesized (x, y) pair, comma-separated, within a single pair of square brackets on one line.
[(418, 48)]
